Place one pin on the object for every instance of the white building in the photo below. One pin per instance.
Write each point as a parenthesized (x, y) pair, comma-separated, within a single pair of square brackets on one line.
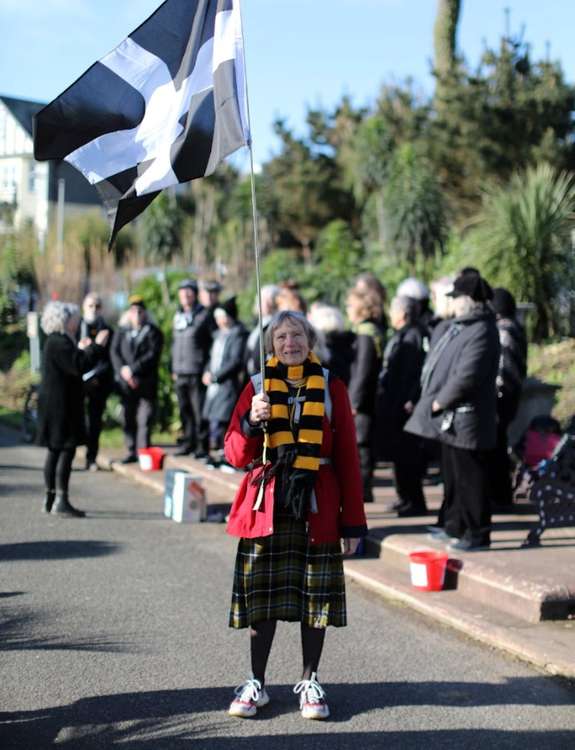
[(29, 189)]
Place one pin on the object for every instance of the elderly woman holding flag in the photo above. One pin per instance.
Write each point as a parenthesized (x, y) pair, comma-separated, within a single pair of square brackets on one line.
[(300, 498)]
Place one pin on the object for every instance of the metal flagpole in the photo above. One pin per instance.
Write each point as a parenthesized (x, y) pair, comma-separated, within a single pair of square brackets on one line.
[(261, 490), (254, 214)]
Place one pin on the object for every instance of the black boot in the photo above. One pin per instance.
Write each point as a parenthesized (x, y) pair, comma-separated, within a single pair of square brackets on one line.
[(48, 501), (62, 507)]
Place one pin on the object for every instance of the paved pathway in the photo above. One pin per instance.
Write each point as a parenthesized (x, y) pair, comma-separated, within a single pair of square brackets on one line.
[(113, 633)]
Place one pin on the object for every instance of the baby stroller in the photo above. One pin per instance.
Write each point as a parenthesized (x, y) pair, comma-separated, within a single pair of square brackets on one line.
[(534, 451), (553, 493)]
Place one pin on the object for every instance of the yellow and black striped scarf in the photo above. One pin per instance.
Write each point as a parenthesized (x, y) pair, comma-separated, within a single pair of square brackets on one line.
[(282, 431), (294, 448)]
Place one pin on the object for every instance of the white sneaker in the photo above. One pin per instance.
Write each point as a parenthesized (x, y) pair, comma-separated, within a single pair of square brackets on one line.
[(250, 696), (312, 702)]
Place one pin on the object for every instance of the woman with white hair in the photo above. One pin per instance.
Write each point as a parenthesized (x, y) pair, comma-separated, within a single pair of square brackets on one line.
[(61, 425)]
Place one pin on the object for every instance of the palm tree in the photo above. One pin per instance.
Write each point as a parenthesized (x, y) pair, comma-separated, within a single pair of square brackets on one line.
[(524, 240)]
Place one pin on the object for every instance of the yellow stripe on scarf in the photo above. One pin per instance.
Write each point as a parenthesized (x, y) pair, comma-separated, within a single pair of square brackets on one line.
[(274, 384), (313, 409), (306, 462), (310, 436), (280, 411), (315, 381), (281, 438)]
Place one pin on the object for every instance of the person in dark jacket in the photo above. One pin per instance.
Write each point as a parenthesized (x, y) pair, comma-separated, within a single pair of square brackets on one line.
[(398, 392), (99, 381), (363, 312), (135, 353), (61, 426), (222, 376), (192, 339), (510, 377), (458, 408)]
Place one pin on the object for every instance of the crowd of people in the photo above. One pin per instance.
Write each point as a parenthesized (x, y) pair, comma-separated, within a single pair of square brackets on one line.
[(431, 376)]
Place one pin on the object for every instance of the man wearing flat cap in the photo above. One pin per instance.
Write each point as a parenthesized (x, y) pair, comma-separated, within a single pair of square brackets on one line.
[(135, 355), (209, 296), (192, 339), (458, 408)]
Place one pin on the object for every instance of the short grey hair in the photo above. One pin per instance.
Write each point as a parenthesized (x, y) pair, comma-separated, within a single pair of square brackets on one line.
[(56, 315), (326, 318), (294, 318)]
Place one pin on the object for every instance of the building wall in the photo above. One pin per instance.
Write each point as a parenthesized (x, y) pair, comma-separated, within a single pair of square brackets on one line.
[(31, 186)]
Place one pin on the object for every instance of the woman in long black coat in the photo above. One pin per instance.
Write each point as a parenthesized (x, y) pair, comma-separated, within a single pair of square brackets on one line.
[(61, 426)]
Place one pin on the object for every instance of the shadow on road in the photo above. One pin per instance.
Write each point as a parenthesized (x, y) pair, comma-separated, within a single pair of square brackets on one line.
[(20, 467), (173, 718), (57, 550), (19, 628)]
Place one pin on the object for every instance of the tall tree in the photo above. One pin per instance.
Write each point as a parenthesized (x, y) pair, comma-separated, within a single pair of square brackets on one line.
[(525, 241), (307, 188), (445, 36)]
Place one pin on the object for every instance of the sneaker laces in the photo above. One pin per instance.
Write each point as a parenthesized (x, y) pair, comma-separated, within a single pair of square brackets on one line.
[(311, 690), (250, 690)]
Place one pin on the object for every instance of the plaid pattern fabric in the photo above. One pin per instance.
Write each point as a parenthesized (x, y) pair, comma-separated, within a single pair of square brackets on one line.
[(281, 577)]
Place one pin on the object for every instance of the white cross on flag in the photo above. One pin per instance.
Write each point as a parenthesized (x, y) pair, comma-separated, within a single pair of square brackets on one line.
[(167, 105)]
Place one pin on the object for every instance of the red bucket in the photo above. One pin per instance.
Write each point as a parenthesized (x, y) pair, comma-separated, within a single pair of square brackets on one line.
[(151, 459), (427, 568)]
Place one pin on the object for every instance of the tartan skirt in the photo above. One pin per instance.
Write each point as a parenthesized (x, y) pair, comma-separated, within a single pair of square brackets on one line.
[(282, 577)]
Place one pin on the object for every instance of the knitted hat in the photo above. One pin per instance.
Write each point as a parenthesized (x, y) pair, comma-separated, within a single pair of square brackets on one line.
[(503, 303)]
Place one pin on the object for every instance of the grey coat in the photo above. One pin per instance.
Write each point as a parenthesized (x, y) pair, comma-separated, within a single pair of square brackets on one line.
[(459, 374), (225, 366)]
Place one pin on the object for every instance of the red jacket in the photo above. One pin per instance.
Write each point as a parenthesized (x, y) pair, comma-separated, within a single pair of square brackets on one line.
[(338, 485)]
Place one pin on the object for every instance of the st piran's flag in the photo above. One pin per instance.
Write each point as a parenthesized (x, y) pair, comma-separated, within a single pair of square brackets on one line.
[(164, 107)]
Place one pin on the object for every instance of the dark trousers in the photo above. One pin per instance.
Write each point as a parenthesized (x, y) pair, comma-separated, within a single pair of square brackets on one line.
[(95, 406), (467, 510), (57, 469), (138, 418), (191, 393), (500, 470), (364, 425), (409, 462), (500, 467)]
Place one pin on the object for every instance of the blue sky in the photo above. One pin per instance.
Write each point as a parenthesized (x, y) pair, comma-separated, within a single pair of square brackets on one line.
[(299, 52)]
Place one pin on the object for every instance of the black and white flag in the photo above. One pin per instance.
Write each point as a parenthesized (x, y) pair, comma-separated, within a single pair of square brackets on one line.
[(165, 106)]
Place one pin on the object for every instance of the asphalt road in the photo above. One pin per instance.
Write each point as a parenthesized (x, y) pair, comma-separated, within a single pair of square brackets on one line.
[(113, 632)]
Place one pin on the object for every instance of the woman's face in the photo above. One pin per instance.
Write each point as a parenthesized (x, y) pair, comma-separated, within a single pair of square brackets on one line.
[(290, 343), (353, 309)]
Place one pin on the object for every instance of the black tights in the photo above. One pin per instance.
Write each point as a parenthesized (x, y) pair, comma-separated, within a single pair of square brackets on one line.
[(57, 469), (261, 639)]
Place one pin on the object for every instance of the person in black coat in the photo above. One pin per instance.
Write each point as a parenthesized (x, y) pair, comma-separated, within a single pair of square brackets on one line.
[(510, 377), (223, 374), (61, 426), (193, 328), (363, 311), (458, 408), (98, 381), (398, 392), (135, 354)]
